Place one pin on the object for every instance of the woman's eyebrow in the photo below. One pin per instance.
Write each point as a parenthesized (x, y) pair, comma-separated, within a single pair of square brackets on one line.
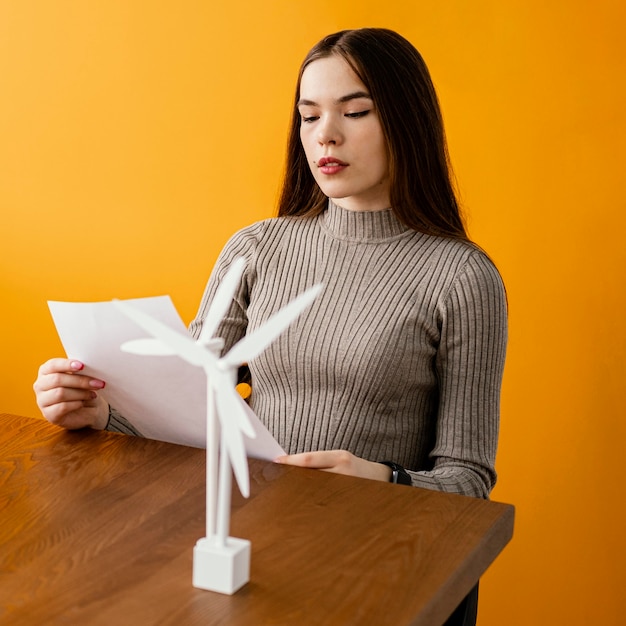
[(351, 96)]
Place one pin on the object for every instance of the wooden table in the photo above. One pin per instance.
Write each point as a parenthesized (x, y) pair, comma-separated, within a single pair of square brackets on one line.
[(99, 528)]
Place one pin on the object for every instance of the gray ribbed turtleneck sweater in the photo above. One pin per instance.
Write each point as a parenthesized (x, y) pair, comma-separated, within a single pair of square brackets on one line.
[(399, 359)]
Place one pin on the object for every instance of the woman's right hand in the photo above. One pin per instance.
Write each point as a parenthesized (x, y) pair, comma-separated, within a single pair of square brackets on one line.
[(68, 398)]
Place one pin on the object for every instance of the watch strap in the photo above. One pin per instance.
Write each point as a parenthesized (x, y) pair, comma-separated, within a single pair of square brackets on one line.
[(398, 474)]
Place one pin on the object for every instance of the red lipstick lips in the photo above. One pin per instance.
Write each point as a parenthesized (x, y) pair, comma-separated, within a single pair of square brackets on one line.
[(331, 165)]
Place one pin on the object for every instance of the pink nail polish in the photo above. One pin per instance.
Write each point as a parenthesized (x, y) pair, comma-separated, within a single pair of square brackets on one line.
[(76, 365), (97, 384)]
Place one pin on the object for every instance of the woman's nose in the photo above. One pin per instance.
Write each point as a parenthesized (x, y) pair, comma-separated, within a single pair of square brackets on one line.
[(329, 133)]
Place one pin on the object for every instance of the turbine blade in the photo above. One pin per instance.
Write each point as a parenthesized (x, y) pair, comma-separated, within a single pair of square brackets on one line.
[(254, 343), (179, 344), (222, 299), (152, 347), (230, 403), (233, 439)]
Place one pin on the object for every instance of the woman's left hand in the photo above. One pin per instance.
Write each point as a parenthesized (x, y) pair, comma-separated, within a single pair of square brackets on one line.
[(338, 462)]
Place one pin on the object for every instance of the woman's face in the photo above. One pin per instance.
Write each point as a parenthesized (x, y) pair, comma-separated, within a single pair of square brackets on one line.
[(342, 136)]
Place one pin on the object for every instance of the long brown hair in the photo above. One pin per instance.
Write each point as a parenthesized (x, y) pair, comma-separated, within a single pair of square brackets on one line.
[(422, 194)]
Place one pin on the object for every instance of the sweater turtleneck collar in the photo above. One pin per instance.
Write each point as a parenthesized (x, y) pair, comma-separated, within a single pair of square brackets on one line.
[(361, 225)]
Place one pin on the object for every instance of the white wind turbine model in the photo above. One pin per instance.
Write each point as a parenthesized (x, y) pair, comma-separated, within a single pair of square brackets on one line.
[(221, 563)]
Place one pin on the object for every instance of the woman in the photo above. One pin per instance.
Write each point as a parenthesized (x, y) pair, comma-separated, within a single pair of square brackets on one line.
[(394, 373)]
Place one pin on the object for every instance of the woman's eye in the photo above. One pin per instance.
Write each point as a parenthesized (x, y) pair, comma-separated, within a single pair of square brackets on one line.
[(358, 114), (307, 119)]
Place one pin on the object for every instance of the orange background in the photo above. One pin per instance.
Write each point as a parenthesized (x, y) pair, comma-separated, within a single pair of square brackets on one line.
[(137, 135)]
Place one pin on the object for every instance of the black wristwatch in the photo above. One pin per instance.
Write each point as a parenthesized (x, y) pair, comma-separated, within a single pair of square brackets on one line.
[(398, 474)]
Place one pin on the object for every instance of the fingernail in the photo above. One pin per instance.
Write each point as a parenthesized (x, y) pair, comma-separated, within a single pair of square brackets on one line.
[(76, 365), (94, 395), (97, 384)]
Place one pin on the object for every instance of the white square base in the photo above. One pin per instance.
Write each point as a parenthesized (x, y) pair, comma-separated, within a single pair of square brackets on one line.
[(224, 569)]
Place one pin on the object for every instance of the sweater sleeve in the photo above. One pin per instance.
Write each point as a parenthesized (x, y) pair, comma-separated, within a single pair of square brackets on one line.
[(119, 424), (469, 365)]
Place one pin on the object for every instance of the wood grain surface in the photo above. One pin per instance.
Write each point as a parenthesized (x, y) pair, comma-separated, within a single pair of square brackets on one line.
[(99, 528)]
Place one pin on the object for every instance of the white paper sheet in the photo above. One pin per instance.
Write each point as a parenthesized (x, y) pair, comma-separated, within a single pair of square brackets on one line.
[(164, 397)]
